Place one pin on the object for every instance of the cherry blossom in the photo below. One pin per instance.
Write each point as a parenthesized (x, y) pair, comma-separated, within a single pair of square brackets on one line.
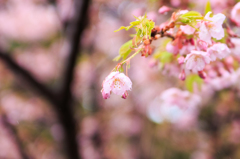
[(187, 29), (218, 50), (196, 60), (236, 42), (118, 83), (186, 49), (164, 9), (202, 44), (182, 12), (212, 27), (223, 82), (235, 13), (176, 106), (182, 99)]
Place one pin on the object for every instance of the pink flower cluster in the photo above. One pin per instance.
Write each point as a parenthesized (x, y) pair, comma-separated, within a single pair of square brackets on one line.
[(182, 99), (197, 60), (199, 43), (212, 27), (196, 54)]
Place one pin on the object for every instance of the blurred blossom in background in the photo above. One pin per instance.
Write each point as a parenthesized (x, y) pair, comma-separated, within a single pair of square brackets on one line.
[(159, 119)]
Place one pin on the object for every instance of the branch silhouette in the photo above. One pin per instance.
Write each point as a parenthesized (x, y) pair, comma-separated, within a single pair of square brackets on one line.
[(62, 102)]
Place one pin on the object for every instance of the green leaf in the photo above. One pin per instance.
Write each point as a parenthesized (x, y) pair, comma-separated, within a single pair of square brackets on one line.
[(123, 27), (190, 18), (135, 23), (124, 51), (185, 20), (192, 15), (117, 58), (132, 24), (191, 79), (142, 25), (208, 7), (150, 25)]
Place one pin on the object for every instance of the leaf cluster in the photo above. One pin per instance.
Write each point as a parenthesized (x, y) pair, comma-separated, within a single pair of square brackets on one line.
[(143, 27)]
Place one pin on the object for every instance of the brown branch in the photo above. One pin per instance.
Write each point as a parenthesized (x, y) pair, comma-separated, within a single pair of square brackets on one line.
[(27, 77), (75, 31), (14, 135), (169, 35), (155, 34), (63, 103), (65, 107)]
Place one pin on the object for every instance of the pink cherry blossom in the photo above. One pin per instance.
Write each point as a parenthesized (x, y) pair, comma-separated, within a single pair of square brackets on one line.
[(175, 106), (186, 49), (164, 9), (236, 49), (223, 82), (235, 13), (182, 12), (212, 27), (202, 44), (116, 82), (218, 50), (187, 29), (182, 99), (196, 60)]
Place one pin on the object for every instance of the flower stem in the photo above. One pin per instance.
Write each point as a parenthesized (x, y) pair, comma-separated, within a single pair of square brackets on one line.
[(130, 57)]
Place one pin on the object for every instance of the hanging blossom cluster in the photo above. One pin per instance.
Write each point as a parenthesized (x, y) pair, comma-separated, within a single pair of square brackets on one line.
[(196, 44)]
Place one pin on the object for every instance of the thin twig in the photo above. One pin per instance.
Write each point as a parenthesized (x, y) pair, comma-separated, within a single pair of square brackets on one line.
[(14, 136), (65, 109), (62, 105), (27, 77)]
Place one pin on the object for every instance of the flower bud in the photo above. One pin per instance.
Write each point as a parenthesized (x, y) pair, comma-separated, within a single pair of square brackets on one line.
[(124, 96), (182, 75), (192, 41), (202, 74), (105, 95), (229, 43), (147, 50), (147, 42), (164, 9), (150, 50), (202, 45)]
